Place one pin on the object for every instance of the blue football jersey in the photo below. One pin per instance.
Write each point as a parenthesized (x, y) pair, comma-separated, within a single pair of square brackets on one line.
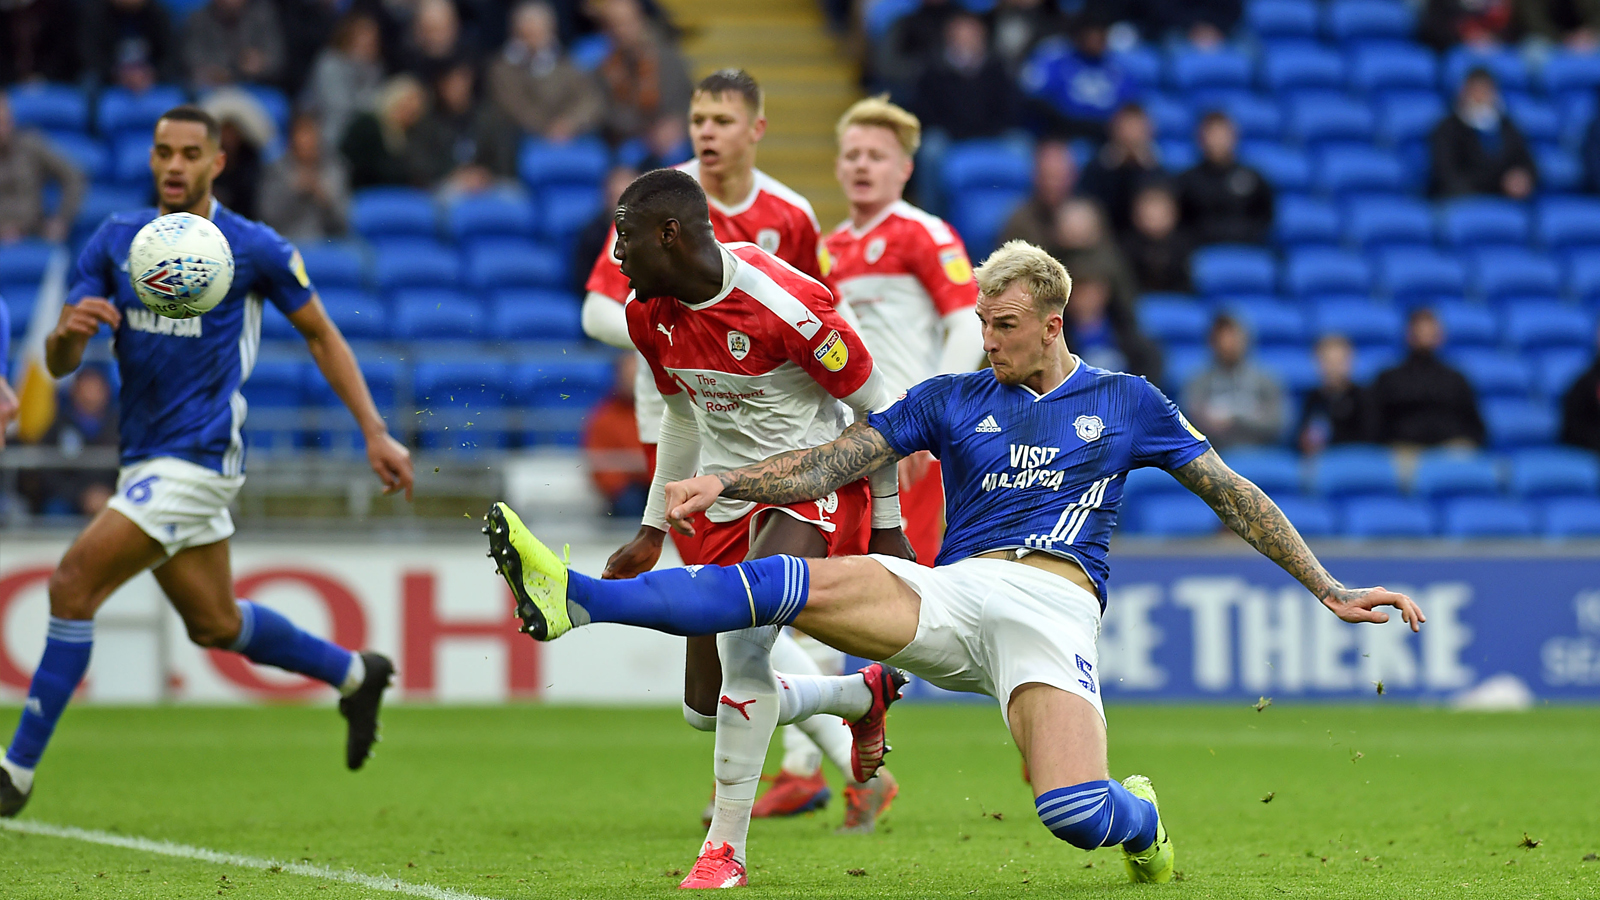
[(181, 377), (1044, 472)]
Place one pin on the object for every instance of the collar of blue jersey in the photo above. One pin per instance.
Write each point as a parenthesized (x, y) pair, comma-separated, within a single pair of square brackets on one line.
[(1077, 366), (730, 265)]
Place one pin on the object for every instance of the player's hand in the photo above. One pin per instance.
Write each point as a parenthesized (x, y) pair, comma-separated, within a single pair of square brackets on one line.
[(84, 319), (637, 556), (8, 408), (912, 468), (1358, 605), (891, 542), (392, 463), (690, 496)]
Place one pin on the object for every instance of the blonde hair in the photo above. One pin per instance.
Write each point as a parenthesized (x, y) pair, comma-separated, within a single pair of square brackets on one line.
[(878, 112), (1045, 280)]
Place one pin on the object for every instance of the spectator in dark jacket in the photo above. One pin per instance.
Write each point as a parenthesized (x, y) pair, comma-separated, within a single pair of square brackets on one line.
[(36, 40), (461, 144), (1157, 250), (911, 44), (1477, 149), (375, 144), (1076, 88), (1222, 200), (1099, 338), (1580, 410), (1019, 25), (645, 78), (1055, 178), (965, 92), (1203, 23), (1422, 402), (122, 35), (229, 41), (1126, 160), (434, 43), (536, 85), (1338, 411), (1446, 23)]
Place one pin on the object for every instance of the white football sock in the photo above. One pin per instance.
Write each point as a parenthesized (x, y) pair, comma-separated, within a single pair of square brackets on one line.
[(836, 740), (747, 714), (353, 676), (801, 755), (20, 777), (804, 691)]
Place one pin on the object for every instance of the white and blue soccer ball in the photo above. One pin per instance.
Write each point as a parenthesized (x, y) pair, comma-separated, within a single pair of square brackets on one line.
[(180, 265)]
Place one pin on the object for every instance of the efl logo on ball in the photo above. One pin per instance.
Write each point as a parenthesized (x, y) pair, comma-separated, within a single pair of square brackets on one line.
[(180, 265)]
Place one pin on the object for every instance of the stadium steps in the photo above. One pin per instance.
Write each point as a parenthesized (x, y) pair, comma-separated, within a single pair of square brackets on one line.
[(808, 78)]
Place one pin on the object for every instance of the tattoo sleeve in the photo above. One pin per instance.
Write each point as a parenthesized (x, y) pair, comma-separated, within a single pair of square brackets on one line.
[(811, 473), (1252, 515)]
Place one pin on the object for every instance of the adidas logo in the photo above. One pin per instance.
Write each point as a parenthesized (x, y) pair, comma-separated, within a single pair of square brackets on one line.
[(988, 426), (34, 706)]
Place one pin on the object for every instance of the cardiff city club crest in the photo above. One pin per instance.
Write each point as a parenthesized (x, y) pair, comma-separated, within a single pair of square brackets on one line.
[(767, 239), (1089, 428), (875, 248), (738, 344)]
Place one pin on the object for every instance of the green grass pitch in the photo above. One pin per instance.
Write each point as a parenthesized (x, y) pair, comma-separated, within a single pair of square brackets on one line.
[(530, 801)]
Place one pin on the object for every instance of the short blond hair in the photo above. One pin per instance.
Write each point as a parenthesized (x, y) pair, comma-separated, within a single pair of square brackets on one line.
[(1040, 274), (878, 112)]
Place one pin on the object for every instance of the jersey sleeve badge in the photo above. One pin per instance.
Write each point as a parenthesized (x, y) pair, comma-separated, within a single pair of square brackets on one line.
[(824, 259), (298, 267), (956, 266), (833, 353), (1192, 430)]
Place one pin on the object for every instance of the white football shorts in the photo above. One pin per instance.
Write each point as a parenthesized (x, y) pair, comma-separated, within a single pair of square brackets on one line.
[(989, 626), (177, 502)]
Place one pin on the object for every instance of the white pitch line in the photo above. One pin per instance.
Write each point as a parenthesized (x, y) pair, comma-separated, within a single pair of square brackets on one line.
[(184, 851)]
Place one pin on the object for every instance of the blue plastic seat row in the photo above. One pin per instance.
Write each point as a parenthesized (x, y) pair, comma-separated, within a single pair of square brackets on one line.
[(433, 314), (407, 262), (1371, 221), (556, 211), (553, 381), (1372, 518)]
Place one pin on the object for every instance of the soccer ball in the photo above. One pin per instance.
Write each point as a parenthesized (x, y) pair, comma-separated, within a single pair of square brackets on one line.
[(180, 265)]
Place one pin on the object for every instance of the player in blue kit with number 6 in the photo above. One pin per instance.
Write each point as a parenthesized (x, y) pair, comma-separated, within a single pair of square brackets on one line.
[(183, 453), (1034, 454)]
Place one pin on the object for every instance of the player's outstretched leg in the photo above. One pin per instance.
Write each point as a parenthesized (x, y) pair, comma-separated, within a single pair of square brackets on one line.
[(1103, 813), (66, 657)]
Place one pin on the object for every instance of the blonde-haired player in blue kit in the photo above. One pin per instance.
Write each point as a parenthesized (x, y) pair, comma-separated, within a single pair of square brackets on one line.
[(1034, 454), (183, 453)]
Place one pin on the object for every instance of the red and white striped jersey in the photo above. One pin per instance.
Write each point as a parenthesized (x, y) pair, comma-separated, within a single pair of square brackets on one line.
[(764, 363), (901, 274)]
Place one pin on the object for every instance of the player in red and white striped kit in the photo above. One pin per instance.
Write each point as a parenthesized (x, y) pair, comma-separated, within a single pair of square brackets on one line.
[(906, 276), (751, 359)]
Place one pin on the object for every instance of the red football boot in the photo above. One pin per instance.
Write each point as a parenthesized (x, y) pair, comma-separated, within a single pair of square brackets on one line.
[(791, 795), (715, 869), (865, 803), (866, 756)]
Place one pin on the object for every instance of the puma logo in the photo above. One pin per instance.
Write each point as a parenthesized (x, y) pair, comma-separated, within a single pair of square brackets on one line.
[(666, 331), (739, 706)]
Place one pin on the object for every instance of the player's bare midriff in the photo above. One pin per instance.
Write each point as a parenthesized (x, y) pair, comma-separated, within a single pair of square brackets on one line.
[(1055, 565)]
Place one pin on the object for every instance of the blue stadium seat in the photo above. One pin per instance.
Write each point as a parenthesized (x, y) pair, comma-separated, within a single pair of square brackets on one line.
[(357, 313), (24, 262), (130, 160), (334, 264), (879, 17), (1443, 474), (1177, 154), (102, 200), (1545, 326), (1500, 273), (1372, 360), (1565, 222), (1387, 221), (1487, 517), (1192, 70), (393, 211), (273, 101), (987, 164), (1568, 71), (1183, 362), (1293, 366), (1362, 20), (1302, 68), (489, 215), (1388, 517), (1354, 470), (1556, 370), (1408, 116), (1274, 470), (1559, 171), (1177, 319), (1508, 67), (1539, 121), (455, 396), (1363, 322), (1142, 64), (1281, 18), (49, 107), (1330, 117), (1468, 324), (1391, 67), (514, 264), (1171, 118), (1270, 321), (88, 154), (1255, 116), (424, 314), (1483, 221), (1176, 515), (1493, 373), (275, 383), (1305, 221), (1583, 275), (582, 160), (1343, 169), (415, 264), (119, 110), (978, 216), (531, 315), (1554, 472), (1233, 269), (1286, 168), (1315, 270), (564, 382), (1518, 422), (1574, 517), (565, 209), (383, 380), (1311, 517), (1151, 481)]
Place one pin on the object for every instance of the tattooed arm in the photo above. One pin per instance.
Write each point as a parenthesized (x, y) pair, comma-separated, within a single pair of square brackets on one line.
[(1252, 515), (786, 478)]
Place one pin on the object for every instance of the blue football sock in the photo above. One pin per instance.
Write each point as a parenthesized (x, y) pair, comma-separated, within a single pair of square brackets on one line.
[(66, 658), (699, 599), (268, 638), (1098, 814)]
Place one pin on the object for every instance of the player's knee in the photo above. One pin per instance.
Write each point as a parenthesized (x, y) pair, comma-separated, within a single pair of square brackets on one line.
[(1079, 815), (698, 720), (70, 597), (217, 632)]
